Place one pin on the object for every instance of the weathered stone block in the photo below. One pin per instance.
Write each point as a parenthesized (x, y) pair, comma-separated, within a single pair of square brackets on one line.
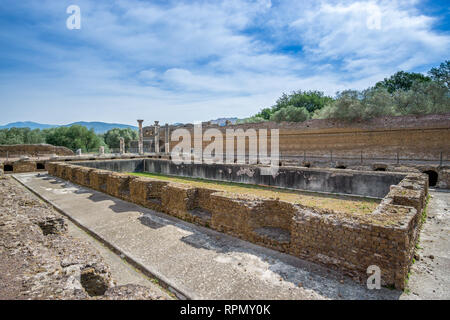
[(118, 185), (24, 166), (408, 197), (98, 179), (231, 213), (178, 199), (60, 170), (51, 168), (138, 190), (444, 179), (82, 176), (69, 173)]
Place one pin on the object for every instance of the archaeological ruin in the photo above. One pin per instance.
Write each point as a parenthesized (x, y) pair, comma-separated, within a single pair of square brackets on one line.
[(349, 242), (345, 196)]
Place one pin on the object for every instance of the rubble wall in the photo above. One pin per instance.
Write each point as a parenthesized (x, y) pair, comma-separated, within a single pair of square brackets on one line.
[(33, 150), (369, 184), (385, 238)]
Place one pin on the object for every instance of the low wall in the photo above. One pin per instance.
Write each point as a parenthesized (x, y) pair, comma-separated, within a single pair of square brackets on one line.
[(413, 136), (21, 166), (127, 165), (350, 243), (368, 184), (33, 150)]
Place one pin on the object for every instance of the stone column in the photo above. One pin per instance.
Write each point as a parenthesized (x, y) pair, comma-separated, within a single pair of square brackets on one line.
[(141, 137), (101, 150), (167, 139), (156, 128), (122, 145)]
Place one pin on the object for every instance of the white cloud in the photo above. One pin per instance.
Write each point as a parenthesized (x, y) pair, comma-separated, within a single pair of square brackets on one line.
[(340, 32), (180, 61)]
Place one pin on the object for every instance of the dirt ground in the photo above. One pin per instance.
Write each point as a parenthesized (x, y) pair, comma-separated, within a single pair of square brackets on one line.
[(42, 256), (430, 274)]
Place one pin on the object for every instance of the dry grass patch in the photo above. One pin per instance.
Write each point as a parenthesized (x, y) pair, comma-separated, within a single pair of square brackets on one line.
[(337, 203)]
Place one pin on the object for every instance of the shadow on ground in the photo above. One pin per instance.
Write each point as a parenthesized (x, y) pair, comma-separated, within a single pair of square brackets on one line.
[(328, 283)]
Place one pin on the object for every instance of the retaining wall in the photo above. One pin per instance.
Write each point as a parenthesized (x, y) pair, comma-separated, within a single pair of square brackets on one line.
[(385, 238), (416, 137), (368, 184), (33, 150)]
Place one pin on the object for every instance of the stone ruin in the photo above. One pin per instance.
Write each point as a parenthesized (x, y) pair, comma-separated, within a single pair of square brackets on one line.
[(350, 243)]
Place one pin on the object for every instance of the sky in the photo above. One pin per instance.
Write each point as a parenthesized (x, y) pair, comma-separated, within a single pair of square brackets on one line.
[(188, 61)]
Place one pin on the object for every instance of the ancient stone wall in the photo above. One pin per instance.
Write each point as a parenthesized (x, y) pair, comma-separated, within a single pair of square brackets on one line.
[(351, 243), (411, 137), (21, 166), (444, 179), (370, 184), (33, 150)]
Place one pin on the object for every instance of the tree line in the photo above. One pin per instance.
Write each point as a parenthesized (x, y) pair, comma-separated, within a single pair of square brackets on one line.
[(74, 137), (403, 93)]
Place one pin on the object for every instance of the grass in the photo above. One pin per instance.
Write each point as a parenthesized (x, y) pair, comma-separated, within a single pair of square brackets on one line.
[(424, 212), (337, 203)]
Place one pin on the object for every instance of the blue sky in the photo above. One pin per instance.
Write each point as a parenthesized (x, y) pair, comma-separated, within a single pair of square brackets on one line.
[(186, 61)]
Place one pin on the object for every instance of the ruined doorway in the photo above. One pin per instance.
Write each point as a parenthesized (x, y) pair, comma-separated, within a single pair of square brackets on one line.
[(432, 177)]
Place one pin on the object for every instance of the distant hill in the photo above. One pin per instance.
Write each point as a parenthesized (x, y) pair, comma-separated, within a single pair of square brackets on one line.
[(222, 121), (102, 127), (99, 127), (28, 124)]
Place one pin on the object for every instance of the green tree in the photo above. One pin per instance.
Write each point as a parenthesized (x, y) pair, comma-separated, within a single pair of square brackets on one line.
[(112, 137), (74, 137), (253, 119), (264, 114), (291, 114), (34, 137), (352, 104), (347, 105), (21, 136), (401, 81), (306, 100), (441, 74), (423, 98)]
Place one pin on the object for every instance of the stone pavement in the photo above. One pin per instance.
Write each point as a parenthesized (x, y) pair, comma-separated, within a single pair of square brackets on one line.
[(196, 262)]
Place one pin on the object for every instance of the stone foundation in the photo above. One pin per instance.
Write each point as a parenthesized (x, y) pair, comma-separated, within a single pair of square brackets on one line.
[(33, 150), (385, 238)]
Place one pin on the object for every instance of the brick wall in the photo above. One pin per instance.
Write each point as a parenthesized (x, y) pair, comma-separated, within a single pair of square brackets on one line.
[(415, 137), (385, 238)]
